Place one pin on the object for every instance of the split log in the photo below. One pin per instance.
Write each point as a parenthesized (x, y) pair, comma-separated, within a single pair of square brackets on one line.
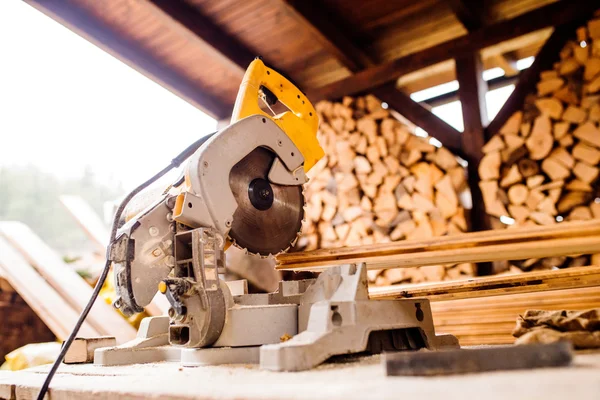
[(556, 178), (379, 183)]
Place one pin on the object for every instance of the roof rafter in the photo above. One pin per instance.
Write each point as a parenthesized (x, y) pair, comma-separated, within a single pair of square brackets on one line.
[(555, 14), (528, 79), (354, 58), (76, 18), (206, 30), (336, 41), (472, 14)]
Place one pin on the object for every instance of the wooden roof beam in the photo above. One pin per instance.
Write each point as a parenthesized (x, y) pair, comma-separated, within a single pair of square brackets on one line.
[(206, 30), (472, 14), (420, 116), (471, 92), (328, 31), (319, 22), (528, 79), (555, 14), (76, 18)]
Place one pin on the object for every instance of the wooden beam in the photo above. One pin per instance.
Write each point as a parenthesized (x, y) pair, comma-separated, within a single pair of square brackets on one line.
[(56, 313), (472, 14), (76, 292), (567, 238), (420, 116), (528, 79), (335, 39), (76, 18), (328, 31), (205, 29), (568, 278), (471, 92), (551, 15), (508, 63)]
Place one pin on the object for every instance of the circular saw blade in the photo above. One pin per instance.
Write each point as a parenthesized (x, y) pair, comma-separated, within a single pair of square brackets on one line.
[(269, 216)]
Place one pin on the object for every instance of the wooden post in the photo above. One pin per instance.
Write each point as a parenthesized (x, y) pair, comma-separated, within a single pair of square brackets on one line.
[(471, 92)]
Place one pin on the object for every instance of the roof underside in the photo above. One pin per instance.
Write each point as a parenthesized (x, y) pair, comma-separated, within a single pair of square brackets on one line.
[(199, 48)]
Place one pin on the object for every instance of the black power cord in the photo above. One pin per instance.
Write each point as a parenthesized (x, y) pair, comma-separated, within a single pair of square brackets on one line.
[(175, 163)]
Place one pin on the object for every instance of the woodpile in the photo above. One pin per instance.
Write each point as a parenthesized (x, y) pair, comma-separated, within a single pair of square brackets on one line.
[(380, 183), (542, 166), (20, 324)]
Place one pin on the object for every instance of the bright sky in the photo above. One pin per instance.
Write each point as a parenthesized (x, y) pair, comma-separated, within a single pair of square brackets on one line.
[(66, 104)]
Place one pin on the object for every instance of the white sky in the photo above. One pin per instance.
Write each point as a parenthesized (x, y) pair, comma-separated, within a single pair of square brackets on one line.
[(66, 104)]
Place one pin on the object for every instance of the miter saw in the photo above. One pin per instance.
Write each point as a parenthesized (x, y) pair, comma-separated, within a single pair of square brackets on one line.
[(244, 187)]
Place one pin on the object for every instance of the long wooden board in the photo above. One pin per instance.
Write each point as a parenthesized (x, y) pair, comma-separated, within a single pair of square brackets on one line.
[(87, 219), (578, 237), (73, 288), (57, 314), (494, 285), (483, 320)]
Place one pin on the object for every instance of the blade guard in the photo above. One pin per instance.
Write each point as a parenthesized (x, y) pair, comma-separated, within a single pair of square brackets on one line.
[(300, 123)]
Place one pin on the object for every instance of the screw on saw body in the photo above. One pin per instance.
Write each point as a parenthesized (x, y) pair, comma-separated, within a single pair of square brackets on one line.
[(173, 289)]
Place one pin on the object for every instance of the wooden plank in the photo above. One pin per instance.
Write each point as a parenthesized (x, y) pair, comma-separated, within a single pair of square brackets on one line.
[(360, 379), (328, 31), (420, 116), (490, 320), (551, 15), (73, 288), (494, 286), (82, 349), (472, 90), (73, 15), (577, 237), (335, 39), (203, 28), (528, 79), (473, 14), (57, 314), (88, 220)]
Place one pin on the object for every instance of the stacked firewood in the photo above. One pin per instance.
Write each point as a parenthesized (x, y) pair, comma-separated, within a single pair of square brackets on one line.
[(542, 167), (379, 183)]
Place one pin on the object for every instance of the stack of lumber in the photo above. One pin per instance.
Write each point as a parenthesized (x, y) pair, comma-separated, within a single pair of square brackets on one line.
[(484, 310), (52, 289), (477, 321), (542, 166), (19, 324), (575, 237), (380, 183)]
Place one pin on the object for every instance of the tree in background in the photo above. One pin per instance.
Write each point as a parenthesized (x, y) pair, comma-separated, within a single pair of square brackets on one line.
[(30, 195)]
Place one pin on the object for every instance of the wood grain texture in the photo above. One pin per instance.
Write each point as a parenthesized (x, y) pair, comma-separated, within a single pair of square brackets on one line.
[(578, 237), (71, 287), (57, 314), (422, 117), (494, 286), (551, 15), (472, 90)]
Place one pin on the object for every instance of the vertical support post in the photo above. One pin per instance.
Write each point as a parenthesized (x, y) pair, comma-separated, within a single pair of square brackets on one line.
[(471, 92)]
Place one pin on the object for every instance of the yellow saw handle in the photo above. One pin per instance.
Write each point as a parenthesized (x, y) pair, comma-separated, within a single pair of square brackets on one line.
[(300, 123)]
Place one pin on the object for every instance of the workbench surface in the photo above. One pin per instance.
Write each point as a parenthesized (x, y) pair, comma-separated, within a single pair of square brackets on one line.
[(362, 379)]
